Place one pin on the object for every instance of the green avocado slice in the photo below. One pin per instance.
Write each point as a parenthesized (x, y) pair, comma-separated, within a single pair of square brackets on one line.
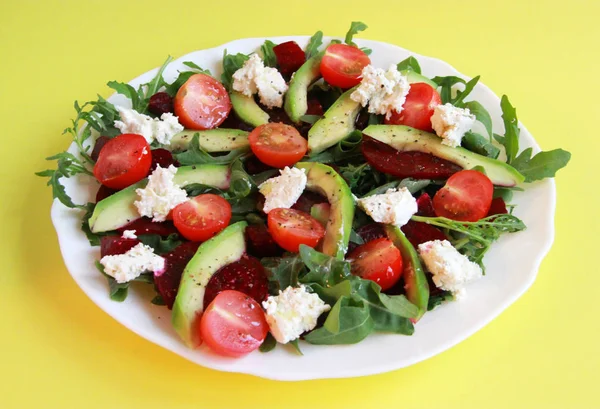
[(296, 98), (118, 210), (212, 140), (405, 138), (247, 109), (225, 248), (326, 181)]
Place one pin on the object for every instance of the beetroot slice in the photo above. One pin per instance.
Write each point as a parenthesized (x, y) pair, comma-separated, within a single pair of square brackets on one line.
[(419, 232), (498, 207), (100, 142), (418, 165), (113, 245), (246, 275), (290, 57), (167, 283), (147, 226), (260, 243), (104, 192), (425, 206), (161, 157), (306, 201), (368, 232)]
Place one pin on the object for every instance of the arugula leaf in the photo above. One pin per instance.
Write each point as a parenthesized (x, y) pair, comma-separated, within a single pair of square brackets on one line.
[(118, 291), (461, 95), (413, 186), (438, 299), (158, 300), (196, 67), (268, 55), (355, 28), (268, 344), (345, 151), (155, 84), (231, 63), (283, 272), (511, 126), (506, 193), (129, 92), (348, 322), (542, 165), (172, 88), (356, 238), (481, 114), (160, 245), (362, 178), (366, 50), (479, 144), (446, 84), (67, 165), (195, 155), (410, 64), (324, 270), (314, 43), (375, 119), (295, 346)]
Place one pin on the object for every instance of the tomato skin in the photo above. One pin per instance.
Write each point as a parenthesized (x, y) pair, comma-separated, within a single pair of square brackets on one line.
[(201, 217), (290, 228), (202, 103), (418, 108), (123, 161), (233, 325), (277, 144), (342, 65), (377, 260), (466, 196)]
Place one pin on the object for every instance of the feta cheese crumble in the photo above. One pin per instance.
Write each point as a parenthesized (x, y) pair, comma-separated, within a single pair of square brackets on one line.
[(395, 206), (293, 312), (451, 123), (129, 234), (254, 78), (451, 270), (160, 195), (162, 129), (284, 190), (383, 91), (130, 265)]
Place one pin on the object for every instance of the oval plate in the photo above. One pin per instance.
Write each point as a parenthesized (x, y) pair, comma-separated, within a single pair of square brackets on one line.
[(506, 280)]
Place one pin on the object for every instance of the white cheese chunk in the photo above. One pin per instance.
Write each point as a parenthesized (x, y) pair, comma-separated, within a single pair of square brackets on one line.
[(451, 123), (160, 195), (383, 91), (129, 234), (451, 270), (162, 129), (395, 206), (293, 312), (254, 78), (284, 190), (128, 266)]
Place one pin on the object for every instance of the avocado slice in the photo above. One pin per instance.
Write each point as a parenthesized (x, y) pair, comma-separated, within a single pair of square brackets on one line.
[(118, 210), (225, 248), (337, 123), (320, 212), (212, 140), (247, 109), (296, 98), (326, 181), (405, 138), (414, 77), (416, 286)]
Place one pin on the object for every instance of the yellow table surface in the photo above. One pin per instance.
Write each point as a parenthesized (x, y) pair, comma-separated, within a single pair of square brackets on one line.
[(58, 350)]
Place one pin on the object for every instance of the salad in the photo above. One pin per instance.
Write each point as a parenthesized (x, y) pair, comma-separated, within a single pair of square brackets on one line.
[(300, 195)]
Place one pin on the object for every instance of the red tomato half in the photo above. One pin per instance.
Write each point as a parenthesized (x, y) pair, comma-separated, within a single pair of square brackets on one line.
[(202, 217), (202, 102), (378, 260), (123, 161), (290, 228), (466, 197), (233, 324), (342, 65), (278, 145), (418, 108)]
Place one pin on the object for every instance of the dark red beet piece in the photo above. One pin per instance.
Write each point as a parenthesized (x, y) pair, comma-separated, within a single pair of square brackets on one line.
[(147, 226), (246, 275), (306, 201), (368, 232), (104, 192), (418, 165), (254, 166), (425, 206), (289, 57), (259, 242), (162, 157), (498, 207), (160, 103), (167, 283), (112, 245), (314, 107), (100, 142), (419, 232)]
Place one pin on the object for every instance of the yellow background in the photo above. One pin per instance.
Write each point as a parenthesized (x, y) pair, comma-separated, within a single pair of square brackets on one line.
[(58, 350)]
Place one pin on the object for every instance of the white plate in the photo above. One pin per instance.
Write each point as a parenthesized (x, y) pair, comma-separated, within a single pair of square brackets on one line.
[(506, 280)]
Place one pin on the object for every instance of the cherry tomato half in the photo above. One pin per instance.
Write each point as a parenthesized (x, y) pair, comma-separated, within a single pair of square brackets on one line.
[(201, 217), (342, 65), (123, 161), (277, 144), (233, 324), (418, 107), (202, 102), (377, 260), (290, 228), (466, 196)]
